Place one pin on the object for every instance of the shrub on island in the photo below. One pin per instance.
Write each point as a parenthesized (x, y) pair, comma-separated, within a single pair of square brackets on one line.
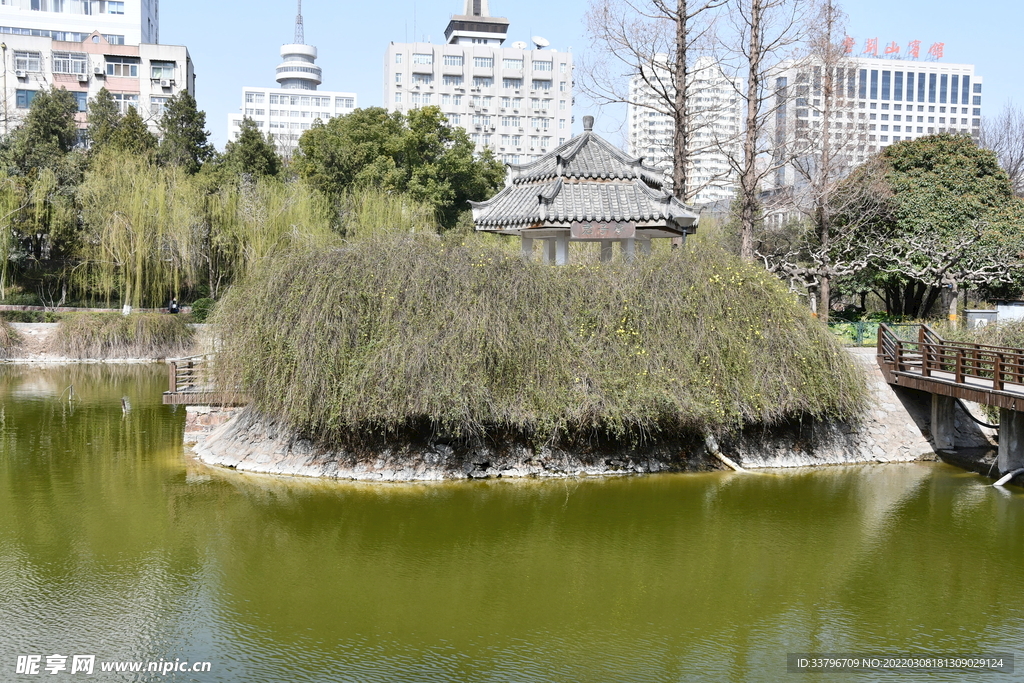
[(9, 339), (113, 335), (396, 334)]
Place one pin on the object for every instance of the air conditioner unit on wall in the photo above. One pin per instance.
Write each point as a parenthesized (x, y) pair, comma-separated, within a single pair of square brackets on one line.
[(165, 83), (83, 78), (21, 74)]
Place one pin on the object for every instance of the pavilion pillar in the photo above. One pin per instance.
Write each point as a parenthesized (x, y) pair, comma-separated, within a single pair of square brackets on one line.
[(606, 251), (527, 248), (628, 248), (561, 249), (645, 247), (549, 250)]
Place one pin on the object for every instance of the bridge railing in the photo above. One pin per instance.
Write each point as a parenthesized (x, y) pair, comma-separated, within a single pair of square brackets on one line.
[(932, 356)]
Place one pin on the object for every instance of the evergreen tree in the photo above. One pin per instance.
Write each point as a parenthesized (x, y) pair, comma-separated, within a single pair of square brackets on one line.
[(132, 135), (252, 153), (184, 140), (417, 153), (49, 131), (104, 117)]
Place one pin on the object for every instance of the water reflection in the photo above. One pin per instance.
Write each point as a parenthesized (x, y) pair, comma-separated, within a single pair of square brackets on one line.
[(113, 542)]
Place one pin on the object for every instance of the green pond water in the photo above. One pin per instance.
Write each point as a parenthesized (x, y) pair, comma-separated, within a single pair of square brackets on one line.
[(115, 543)]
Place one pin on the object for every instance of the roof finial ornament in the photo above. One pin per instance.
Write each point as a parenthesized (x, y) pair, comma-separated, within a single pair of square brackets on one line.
[(588, 124)]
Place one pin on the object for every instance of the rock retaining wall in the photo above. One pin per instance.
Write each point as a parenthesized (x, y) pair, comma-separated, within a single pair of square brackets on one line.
[(895, 429)]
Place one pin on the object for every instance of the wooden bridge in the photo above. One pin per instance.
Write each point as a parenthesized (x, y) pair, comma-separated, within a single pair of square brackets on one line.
[(192, 384), (916, 357)]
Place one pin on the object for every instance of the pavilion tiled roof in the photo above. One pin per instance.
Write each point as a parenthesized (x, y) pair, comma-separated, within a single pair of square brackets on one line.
[(584, 179)]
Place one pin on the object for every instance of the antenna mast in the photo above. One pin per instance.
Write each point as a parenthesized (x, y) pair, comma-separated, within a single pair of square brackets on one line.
[(300, 38)]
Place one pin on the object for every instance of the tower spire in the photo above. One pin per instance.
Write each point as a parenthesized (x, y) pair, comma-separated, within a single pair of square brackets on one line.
[(300, 38)]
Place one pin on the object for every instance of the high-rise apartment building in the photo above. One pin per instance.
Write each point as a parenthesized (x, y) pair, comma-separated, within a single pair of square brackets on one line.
[(86, 45), (515, 101), (292, 107), (716, 113), (877, 102)]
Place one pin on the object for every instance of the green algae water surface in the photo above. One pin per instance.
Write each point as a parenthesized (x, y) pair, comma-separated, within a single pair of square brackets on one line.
[(115, 544)]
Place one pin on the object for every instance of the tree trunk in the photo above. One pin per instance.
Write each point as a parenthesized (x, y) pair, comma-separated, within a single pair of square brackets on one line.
[(681, 138), (825, 293), (748, 180)]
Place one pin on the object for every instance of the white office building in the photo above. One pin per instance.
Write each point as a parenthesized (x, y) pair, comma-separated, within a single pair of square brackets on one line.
[(292, 107), (83, 46), (716, 115), (119, 22), (516, 101), (878, 102)]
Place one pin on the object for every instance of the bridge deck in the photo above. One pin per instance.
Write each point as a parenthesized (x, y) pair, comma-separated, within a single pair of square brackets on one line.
[(190, 384), (984, 374)]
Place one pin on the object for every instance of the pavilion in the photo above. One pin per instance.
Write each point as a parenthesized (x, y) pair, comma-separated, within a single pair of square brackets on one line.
[(585, 190)]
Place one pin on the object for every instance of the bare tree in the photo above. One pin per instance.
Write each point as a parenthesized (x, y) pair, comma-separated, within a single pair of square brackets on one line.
[(821, 145), (1004, 135), (763, 31), (657, 42)]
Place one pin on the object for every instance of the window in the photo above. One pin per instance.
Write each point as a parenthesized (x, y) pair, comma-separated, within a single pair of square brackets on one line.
[(541, 85), (542, 66), (561, 67), (511, 121), (976, 100), (27, 61), (398, 58), (483, 62), (398, 78), (561, 124), (344, 102), (23, 98), (161, 70), (977, 88), (512, 63), (481, 120), (457, 100), (128, 67), (274, 99), (157, 104), (115, 7), (482, 81), (453, 60), (561, 104), (126, 100), (513, 83), (446, 100), (69, 63), (451, 80), (422, 58), (455, 119), (422, 79), (426, 98), (517, 140), (398, 98), (415, 99), (506, 102), (561, 86)]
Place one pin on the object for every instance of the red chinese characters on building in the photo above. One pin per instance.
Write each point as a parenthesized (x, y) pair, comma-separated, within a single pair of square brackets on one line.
[(871, 47), (936, 50), (848, 44), (914, 49), (892, 48)]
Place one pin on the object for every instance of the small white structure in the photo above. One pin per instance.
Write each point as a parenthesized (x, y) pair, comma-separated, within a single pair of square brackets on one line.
[(586, 190)]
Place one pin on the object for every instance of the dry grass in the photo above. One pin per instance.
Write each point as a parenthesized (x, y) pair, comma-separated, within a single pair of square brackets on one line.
[(9, 339), (408, 333), (112, 335)]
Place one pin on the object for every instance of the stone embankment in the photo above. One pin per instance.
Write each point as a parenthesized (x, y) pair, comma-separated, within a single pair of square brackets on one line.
[(894, 429)]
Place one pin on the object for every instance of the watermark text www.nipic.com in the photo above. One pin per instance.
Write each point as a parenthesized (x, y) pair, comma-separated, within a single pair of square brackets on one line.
[(87, 664)]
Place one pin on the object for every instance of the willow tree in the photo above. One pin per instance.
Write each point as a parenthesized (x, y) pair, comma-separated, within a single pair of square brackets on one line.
[(143, 231), (12, 201), (255, 218)]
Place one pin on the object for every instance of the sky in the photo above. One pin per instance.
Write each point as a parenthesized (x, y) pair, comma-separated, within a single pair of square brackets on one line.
[(235, 44)]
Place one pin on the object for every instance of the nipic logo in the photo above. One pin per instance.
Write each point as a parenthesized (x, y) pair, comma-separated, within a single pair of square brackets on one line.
[(32, 664)]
